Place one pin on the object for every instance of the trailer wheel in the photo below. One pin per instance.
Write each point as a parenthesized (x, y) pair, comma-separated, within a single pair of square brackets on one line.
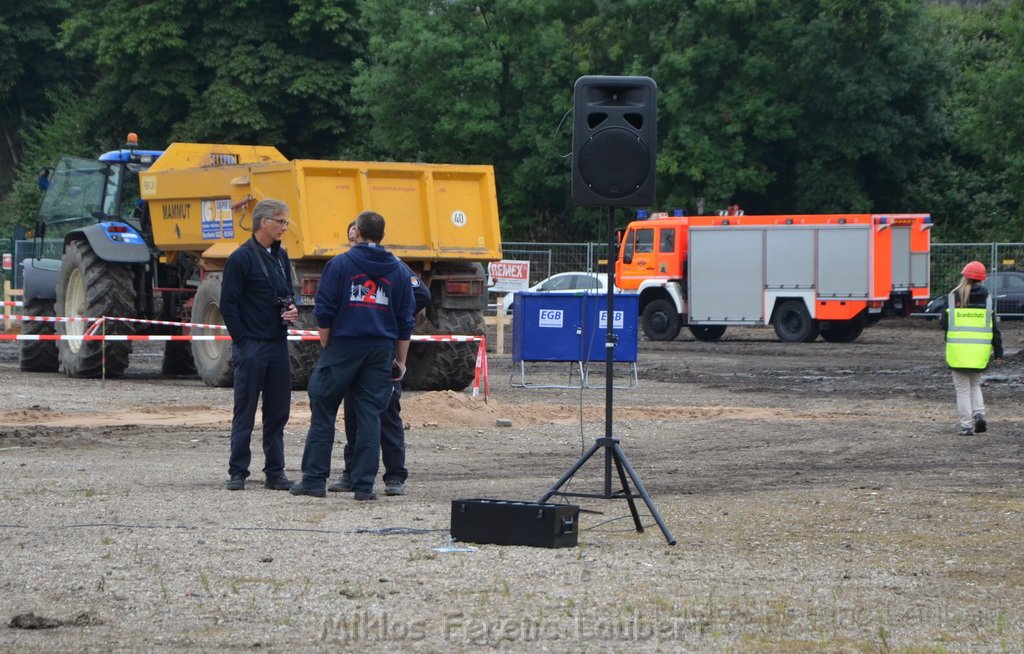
[(90, 286), (212, 358), (660, 320), (445, 366), (708, 333), (846, 331), (793, 324), (302, 355), (178, 360), (38, 356)]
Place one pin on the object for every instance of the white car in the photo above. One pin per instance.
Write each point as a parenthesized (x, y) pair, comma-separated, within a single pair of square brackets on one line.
[(591, 282)]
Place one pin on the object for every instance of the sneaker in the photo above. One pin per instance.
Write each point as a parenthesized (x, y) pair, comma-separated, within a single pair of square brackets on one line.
[(394, 488), (343, 485), (966, 431), (363, 497), (980, 426), (237, 482), (299, 489), (278, 483)]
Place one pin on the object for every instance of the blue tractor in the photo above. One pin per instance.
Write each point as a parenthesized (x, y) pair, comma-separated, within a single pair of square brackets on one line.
[(107, 266)]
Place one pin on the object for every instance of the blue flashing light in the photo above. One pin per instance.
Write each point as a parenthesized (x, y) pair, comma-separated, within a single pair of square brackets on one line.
[(927, 220), (641, 214), (883, 220), (128, 156), (678, 213)]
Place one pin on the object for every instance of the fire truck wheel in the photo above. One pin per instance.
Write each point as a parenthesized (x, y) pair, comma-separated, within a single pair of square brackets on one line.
[(660, 320), (846, 331), (88, 286), (707, 333), (212, 358), (793, 324), (38, 356)]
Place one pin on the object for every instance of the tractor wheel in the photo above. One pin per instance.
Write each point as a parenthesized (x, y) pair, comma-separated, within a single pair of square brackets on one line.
[(88, 286), (38, 356), (660, 320), (440, 366), (709, 333), (212, 358), (845, 331), (793, 324)]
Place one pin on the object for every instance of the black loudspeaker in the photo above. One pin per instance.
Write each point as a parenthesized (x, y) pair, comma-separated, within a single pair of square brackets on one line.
[(614, 141), (508, 522)]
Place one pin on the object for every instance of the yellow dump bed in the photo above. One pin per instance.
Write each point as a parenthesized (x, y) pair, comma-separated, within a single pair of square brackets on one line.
[(201, 197)]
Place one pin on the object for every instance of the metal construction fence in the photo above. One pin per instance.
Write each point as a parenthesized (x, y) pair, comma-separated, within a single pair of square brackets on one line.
[(546, 259), (948, 259)]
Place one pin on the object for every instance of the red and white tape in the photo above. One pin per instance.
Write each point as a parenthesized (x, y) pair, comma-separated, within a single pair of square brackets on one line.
[(58, 319), (302, 335), (480, 374)]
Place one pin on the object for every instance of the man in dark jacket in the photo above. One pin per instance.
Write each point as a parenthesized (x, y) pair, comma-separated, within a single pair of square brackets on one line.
[(255, 301), (364, 312), (392, 430)]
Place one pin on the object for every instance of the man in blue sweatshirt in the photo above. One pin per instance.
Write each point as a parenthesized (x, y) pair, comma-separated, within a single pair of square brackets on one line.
[(392, 429), (364, 312)]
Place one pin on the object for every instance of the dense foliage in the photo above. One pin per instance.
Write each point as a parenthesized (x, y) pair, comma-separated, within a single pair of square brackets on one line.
[(777, 105)]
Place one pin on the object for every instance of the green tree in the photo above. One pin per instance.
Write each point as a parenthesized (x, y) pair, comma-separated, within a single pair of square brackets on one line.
[(811, 106), (490, 82), (46, 139), (274, 73), (30, 65), (980, 178), (779, 105)]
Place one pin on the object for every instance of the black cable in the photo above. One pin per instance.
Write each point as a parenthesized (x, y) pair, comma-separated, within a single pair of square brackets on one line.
[(385, 531), (558, 128), (391, 531), (616, 519), (115, 525)]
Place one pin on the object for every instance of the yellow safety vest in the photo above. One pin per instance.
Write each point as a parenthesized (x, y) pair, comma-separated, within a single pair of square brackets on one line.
[(969, 337)]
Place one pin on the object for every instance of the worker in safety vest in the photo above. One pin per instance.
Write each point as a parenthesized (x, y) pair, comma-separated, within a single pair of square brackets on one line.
[(972, 337)]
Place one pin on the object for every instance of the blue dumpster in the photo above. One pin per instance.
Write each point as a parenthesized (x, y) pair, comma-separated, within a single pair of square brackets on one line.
[(547, 327), (624, 325), (571, 327)]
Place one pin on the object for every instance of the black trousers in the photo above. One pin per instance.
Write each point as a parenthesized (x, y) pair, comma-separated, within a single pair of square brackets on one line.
[(392, 438), (261, 369)]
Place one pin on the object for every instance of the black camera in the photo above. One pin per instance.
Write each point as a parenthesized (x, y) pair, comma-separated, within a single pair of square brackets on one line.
[(282, 304)]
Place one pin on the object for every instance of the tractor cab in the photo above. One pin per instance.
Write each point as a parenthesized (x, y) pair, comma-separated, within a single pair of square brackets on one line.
[(82, 192)]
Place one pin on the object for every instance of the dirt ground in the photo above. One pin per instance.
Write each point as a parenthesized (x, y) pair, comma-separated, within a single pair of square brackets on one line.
[(819, 495)]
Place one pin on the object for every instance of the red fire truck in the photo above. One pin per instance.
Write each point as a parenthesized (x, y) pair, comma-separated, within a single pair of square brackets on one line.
[(827, 274)]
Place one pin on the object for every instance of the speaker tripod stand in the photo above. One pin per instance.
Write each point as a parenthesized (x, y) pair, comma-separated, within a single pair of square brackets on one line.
[(608, 444)]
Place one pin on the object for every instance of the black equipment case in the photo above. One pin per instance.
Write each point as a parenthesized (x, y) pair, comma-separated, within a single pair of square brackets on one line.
[(509, 522)]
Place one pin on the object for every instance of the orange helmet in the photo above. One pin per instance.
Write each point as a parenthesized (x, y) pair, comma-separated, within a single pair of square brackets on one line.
[(974, 270)]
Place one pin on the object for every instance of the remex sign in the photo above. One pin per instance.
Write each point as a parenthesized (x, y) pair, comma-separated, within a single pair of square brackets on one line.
[(508, 276)]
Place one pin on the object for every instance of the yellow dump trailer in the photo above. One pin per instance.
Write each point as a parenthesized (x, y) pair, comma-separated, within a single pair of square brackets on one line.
[(200, 195), (441, 219), (146, 235)]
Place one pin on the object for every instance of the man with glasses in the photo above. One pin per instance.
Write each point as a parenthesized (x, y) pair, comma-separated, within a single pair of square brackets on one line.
[(257, 306)]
